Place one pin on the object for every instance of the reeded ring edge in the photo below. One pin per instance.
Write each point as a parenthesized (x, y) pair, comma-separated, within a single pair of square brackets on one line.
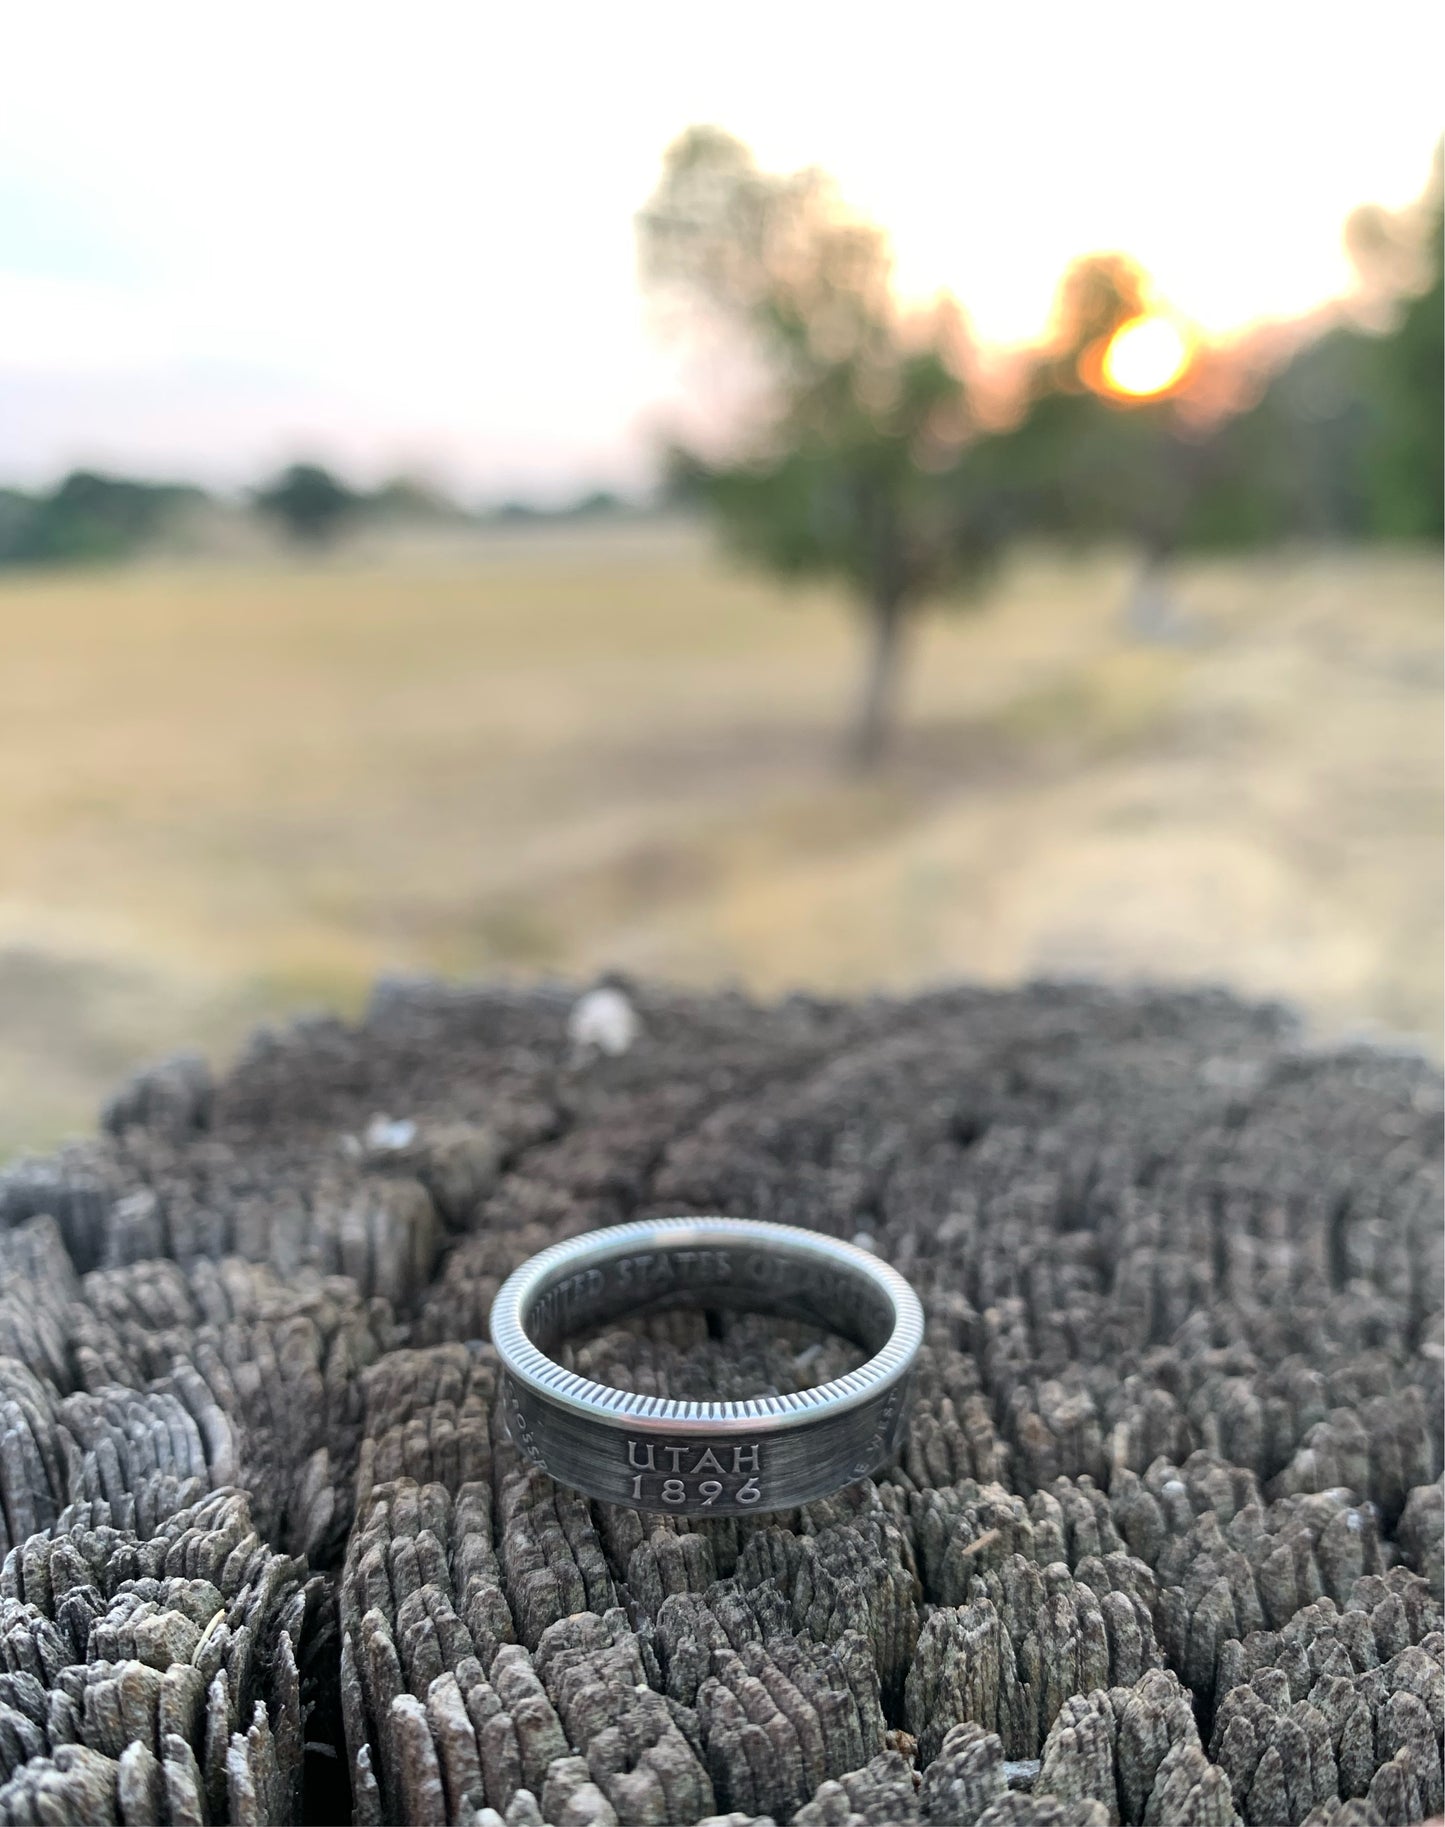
[(531, 1367)]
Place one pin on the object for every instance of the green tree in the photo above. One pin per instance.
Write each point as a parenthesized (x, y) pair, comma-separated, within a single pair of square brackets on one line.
[(1291, 463), (1346, 440), (1073, 464), (847, 471), (311, 505), (1341, 441), (1077, 465), (1404, 370)]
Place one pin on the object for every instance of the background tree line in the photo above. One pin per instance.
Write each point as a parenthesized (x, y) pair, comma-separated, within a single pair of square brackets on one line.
[(90, 517)]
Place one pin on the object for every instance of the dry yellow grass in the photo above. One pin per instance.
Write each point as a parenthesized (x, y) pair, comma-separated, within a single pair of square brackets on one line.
[(226, 793)]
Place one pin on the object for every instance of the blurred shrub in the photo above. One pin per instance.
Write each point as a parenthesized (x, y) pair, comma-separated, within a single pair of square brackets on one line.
[(89, 518), (308, 503)]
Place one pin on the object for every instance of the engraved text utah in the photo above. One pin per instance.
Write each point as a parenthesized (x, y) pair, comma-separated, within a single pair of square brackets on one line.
[(699, 1473)]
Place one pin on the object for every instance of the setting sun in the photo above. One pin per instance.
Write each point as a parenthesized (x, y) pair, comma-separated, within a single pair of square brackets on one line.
[(1146, 356)]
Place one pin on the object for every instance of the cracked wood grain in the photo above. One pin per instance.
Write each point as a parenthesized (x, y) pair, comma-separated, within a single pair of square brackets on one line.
[(1162, 1544)]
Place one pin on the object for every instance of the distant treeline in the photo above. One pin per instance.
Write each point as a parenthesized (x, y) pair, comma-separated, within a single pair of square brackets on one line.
[(95, 518), (875, 455), (88, 518)]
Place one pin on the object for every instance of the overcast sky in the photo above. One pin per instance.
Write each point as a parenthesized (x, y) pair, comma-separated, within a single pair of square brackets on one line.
[(400, 236)]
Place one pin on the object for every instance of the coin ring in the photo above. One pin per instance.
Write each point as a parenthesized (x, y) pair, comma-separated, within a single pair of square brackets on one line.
[(687, 1458)]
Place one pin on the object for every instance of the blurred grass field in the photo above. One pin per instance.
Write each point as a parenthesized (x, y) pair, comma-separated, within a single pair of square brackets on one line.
[(230, 792)]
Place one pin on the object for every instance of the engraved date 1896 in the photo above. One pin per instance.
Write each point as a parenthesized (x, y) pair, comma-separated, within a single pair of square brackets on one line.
[(694, 1473)]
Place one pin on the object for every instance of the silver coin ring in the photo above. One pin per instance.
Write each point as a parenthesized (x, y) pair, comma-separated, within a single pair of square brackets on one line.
[(770, 1452)]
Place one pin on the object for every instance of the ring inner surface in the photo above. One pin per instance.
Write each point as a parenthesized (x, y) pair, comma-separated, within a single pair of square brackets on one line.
[(794, 1284)]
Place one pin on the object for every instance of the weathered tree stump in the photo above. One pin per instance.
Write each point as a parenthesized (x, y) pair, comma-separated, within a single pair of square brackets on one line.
[(1163, 1543)]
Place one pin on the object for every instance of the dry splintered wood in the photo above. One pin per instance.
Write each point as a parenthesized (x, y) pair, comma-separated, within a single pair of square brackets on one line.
[(1163, 1543)]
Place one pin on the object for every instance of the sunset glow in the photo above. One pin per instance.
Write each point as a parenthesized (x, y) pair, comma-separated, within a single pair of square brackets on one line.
[(172, 304), (1146, 356)]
